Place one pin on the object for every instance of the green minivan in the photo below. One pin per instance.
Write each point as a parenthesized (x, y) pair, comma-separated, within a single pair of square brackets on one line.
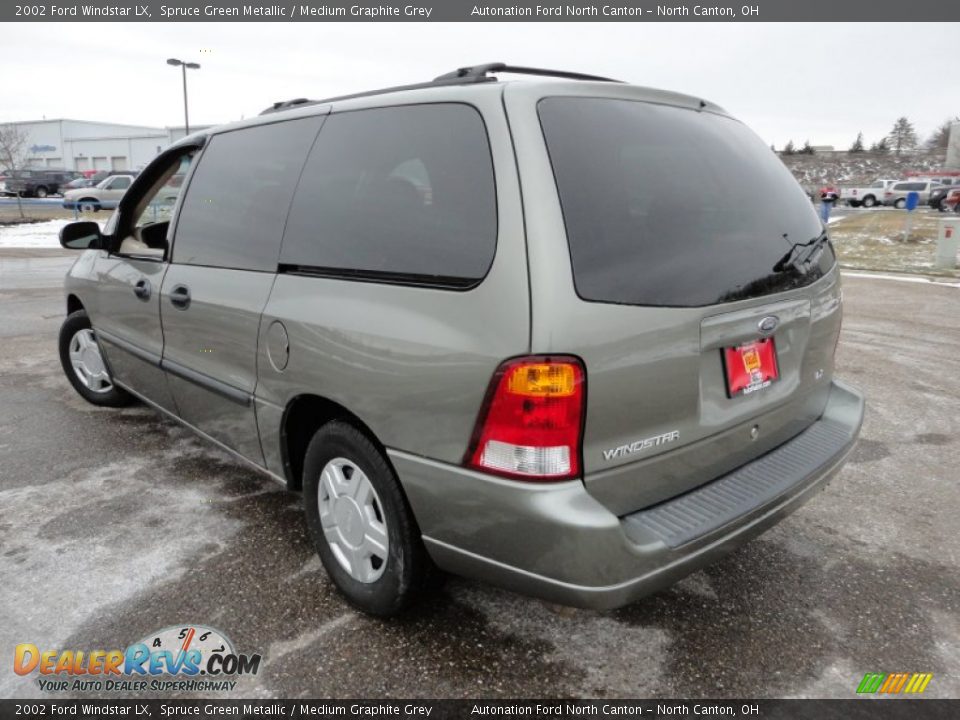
[(484, 327)]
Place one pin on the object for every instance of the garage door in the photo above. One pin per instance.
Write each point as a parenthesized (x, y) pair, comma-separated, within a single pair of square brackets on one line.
[(81, 163), (101, 163), (118, 162)]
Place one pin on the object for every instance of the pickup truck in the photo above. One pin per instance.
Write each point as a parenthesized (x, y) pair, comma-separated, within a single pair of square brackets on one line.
[(867, 196)]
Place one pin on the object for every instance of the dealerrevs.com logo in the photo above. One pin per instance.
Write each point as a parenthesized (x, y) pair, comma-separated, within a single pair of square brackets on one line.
[(181, 658)]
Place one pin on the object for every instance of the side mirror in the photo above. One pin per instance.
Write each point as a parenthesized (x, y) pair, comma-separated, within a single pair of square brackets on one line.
[(83, 235)]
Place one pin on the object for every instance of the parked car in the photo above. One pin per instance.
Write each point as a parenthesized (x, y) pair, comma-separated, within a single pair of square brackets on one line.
[(100, 175), (896, 194), (937, 195), (951, 201), (866, 195), (417, 360), (105, 194), (80, 182), (37, 183)]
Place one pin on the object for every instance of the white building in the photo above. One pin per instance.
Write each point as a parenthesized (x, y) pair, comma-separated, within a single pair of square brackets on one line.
[(90, 145)]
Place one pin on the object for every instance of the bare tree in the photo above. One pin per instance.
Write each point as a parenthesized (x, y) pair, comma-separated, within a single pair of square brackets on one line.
[(13, 152), (941, 136)]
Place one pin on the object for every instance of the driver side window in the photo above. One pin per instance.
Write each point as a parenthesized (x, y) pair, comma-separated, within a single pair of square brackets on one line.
[(147, 236)]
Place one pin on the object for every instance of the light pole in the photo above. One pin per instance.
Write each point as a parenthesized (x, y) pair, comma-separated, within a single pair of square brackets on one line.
[(183, 66)]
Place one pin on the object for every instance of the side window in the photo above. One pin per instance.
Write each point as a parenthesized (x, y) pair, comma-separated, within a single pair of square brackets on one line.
[(144, 234), (397, 193), (158, 205), (234, 211)]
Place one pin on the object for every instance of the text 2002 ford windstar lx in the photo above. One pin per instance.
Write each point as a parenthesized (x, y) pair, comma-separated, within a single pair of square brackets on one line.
[(482, 327)]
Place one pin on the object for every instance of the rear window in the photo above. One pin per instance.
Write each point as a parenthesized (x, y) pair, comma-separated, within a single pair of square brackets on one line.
[(401, 194), (673, 207)]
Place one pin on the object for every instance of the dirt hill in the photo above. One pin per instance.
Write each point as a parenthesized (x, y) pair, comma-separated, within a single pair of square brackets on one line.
[(813, 171)]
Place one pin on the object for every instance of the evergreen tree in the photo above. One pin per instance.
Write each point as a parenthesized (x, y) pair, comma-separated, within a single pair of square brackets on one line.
[(903, 137), (807, 149), (857, 146), (789, 149), (881, 148)]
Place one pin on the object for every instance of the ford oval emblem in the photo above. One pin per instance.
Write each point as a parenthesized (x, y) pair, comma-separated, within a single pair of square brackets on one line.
[(768, 324)]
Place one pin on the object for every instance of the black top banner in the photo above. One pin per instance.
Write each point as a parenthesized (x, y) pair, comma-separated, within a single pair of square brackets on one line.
[(470, 11), (427, 709)]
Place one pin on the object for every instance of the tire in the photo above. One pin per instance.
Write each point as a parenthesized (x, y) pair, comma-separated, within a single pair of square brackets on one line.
[(869, 201), (41, 192), (358, 517), (853, 203), (89, 205), (900, 204), (93, 383)]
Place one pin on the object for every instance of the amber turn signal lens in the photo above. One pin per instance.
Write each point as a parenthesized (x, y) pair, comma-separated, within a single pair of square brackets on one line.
[(543, 380)]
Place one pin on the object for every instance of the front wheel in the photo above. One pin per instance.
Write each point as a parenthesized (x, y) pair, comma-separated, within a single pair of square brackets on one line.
[(89, 206), (900, 204), (869, 201), (360, 522), (83, 363), (41, 192)]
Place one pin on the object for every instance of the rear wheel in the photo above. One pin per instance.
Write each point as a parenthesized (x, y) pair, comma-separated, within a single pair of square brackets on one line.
[(360, 522), (869, 201), (900, 204), (84, 365), (41, 192)]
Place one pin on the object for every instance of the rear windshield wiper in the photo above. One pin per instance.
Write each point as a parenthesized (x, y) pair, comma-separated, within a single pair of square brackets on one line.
[(801, 255)]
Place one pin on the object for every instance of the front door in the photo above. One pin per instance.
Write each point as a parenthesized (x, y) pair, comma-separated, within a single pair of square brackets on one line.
[(127, 322)]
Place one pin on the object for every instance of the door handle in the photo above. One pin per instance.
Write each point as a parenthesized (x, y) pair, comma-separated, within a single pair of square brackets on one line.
[(142, 289), (180, 297)]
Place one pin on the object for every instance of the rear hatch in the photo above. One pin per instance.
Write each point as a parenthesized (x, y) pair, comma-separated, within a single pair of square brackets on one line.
[(706, 305)]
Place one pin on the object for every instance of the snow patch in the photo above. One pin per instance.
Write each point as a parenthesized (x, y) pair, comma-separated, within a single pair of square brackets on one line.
[(34, 235)]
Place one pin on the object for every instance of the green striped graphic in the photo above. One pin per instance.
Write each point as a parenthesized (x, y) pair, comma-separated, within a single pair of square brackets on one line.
[(871, 682), (894, 683)]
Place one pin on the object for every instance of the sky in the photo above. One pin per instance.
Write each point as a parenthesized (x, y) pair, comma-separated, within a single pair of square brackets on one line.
[(822, 82)]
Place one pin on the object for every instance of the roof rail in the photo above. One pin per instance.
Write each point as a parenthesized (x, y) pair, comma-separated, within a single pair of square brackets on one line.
[(481, 71), (460, 76)]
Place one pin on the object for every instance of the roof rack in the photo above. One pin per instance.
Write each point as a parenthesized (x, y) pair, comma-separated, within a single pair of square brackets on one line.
[(481, 71), (460, 76)]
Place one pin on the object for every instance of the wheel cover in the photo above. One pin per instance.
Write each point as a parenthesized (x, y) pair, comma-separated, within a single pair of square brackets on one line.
[(87, 362), (353, 521)]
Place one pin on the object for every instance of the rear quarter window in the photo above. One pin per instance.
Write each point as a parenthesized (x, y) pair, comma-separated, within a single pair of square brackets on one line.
[(401, 194)]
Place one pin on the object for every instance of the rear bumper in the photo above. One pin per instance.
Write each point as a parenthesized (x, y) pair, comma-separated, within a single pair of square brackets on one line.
[(556, 542)]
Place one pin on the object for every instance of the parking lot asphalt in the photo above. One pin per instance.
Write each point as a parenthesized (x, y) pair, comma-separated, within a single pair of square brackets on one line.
[(114, 524)]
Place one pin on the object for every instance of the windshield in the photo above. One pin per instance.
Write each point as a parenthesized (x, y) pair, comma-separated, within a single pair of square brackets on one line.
[(103, 183), (673, 207)]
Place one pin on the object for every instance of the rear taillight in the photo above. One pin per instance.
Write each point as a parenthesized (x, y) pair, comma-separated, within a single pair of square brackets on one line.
[(531, 421)]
